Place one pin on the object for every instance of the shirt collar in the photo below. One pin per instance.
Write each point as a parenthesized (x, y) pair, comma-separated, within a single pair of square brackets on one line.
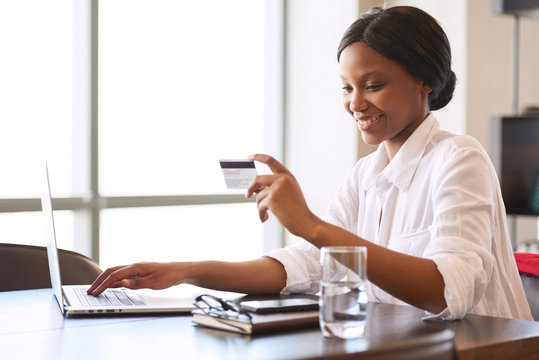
[(401, 169)]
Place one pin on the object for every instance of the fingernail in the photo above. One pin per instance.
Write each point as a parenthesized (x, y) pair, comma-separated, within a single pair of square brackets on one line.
[(250, 157)]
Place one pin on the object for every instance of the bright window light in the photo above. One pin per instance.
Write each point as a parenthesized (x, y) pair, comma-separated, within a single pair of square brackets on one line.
[(29, 228), (184, 233), (180, 87), (35, 95)]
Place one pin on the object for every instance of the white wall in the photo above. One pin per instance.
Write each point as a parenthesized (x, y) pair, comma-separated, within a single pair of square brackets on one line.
[(321, 139), (489, 54), (490, 83), (529, 62)]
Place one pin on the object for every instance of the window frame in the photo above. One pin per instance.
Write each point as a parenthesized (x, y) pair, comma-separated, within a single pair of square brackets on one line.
[(87, 208)]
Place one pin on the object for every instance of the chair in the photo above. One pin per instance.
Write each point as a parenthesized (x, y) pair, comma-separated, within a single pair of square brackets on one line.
[(26, 267), (531, 289), (528, 268)]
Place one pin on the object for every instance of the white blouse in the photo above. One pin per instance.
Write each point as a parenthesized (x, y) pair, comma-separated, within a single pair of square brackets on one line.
[(441, 200)]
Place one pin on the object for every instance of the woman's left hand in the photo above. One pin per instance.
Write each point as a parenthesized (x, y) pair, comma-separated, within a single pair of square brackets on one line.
[(280, 193)]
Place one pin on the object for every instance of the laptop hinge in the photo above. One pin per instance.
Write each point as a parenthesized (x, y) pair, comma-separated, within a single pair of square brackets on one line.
[(66, 300)]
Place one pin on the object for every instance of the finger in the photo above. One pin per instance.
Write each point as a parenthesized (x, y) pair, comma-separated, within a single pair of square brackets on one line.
[(263, 206), (105, 274), (117, 276), (273, 164), (259, 183), (114, 285), (263, 213), (264, 216)]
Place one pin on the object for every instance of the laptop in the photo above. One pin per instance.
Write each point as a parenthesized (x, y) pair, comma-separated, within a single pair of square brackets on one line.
[(73, 299)]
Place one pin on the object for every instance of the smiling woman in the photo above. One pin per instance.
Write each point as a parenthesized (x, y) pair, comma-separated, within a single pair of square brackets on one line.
[(426, 204)]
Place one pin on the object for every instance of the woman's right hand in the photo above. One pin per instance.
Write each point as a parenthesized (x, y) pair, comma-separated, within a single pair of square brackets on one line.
[(149, 275), (260, 276)]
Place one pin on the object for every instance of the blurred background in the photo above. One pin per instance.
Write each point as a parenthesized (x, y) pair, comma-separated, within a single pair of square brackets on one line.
[(132, 103)]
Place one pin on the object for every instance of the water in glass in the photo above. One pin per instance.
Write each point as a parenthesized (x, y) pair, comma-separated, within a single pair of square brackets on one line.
[(343, 309)]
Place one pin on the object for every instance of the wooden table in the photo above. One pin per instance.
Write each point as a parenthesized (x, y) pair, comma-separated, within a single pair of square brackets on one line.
[(32, 327)]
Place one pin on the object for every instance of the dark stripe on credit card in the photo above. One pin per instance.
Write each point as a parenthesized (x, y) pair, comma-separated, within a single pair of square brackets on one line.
[(237, 164)]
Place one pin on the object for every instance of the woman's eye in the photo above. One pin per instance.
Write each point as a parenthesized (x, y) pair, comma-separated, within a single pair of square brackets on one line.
[(347, 88), (373, 87)]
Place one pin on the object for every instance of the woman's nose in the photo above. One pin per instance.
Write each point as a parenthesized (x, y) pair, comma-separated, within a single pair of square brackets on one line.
[(358, 103)]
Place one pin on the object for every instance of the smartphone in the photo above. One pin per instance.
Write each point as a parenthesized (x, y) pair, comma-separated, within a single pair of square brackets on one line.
[(279, 305)]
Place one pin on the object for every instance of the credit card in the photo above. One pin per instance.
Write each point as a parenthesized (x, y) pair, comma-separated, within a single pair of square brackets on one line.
[(238, 173)]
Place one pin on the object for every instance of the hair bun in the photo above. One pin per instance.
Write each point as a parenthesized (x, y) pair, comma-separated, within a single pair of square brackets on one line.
[(440, 98)]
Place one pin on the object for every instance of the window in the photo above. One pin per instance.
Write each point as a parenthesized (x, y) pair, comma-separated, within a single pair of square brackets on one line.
[(176, 233), (133, 122), (181, 85), (36, 110), (35, 95)]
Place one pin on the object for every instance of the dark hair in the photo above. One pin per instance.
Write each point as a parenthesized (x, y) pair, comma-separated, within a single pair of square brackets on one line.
[(412, 38)]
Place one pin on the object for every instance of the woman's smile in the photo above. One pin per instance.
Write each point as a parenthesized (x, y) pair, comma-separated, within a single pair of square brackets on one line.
[(366, 123)]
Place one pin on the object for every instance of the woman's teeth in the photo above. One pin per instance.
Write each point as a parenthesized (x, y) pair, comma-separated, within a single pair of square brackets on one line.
[(369, 121)]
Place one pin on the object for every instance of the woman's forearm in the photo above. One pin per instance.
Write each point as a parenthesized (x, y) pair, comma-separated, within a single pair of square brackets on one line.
[(412, 279), (261, 276)]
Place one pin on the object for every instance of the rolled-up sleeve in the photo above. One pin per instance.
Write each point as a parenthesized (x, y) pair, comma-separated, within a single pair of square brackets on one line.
[(302, 265), (461, 234)]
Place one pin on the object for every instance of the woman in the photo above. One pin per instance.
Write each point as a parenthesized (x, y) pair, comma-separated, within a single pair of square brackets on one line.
[(426, 204)]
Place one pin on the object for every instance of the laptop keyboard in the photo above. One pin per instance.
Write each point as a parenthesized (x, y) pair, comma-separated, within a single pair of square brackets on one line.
[(110, 297)]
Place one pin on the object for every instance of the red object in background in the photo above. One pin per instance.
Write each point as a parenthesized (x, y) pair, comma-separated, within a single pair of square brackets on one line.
[(527, 263)]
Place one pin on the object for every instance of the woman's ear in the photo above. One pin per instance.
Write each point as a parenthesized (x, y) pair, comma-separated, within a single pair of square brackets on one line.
[(426, 89)]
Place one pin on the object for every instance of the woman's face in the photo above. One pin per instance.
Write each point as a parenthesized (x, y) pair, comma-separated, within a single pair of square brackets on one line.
[(386, 101)]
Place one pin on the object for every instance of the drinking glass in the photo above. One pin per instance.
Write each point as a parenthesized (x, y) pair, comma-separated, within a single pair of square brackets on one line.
[(343, 300)]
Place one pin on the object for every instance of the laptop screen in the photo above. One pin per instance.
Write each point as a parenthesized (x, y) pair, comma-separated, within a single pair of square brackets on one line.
[(52, 250)]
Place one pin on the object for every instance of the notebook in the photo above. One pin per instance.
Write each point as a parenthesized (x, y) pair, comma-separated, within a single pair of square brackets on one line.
[(258, 323), (73, 299)]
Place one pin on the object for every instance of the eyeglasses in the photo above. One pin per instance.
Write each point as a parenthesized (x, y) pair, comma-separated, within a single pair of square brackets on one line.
[(217, 307)]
